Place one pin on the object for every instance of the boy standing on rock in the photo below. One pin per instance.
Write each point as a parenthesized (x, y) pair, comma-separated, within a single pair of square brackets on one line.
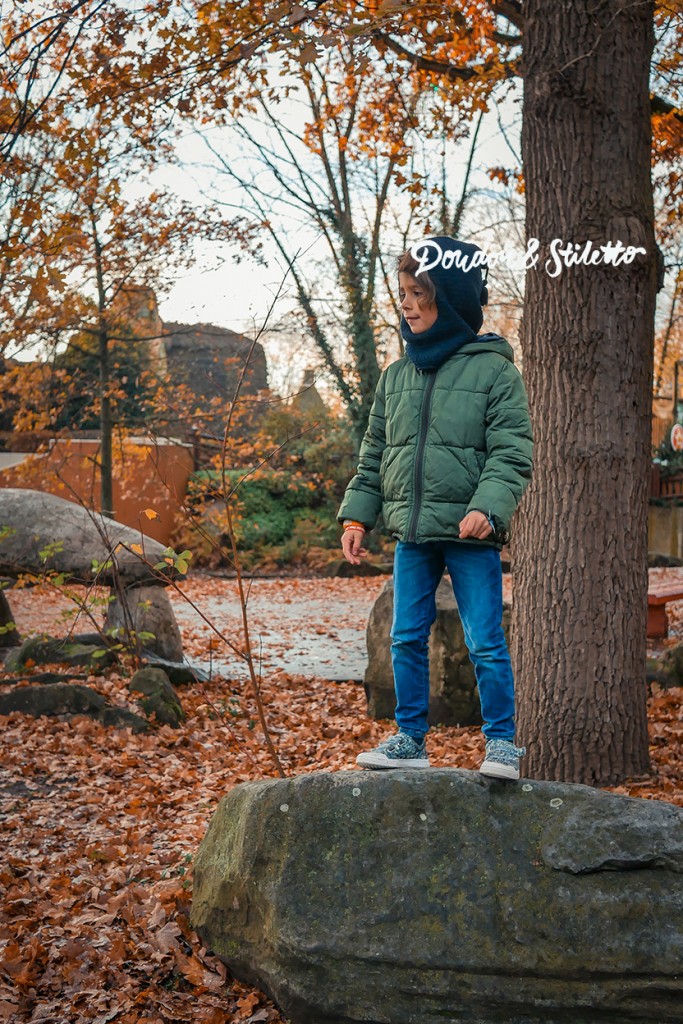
[(446, 458)]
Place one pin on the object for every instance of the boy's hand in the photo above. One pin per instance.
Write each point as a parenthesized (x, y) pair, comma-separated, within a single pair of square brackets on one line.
[(351, 546), (475, 524)]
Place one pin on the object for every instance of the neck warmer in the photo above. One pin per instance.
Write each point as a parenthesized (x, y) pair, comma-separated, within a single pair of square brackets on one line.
[(458, 302)]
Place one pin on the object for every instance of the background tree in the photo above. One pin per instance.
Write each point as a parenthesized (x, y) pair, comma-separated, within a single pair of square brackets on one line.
[(37, 49)]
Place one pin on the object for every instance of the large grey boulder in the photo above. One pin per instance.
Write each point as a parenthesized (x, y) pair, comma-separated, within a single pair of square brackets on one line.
[(453, 695), (441, 896), (74, 536)]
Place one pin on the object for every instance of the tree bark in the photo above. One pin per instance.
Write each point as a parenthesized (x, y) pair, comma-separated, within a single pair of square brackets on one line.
[(579, 544)]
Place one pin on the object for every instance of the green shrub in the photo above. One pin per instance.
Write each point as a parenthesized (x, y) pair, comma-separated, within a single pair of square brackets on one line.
[(285, 508)]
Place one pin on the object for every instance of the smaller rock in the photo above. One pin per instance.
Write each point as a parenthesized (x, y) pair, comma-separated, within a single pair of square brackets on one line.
[(342, 568), (147, 610), (46, 677), (178, 672), (69, 699), (667, 668), (94, 639), (121, 718), (159, 697), (9, 634), (656, 560), (52, 699), (45, 532), (453, 694), (46, 650)]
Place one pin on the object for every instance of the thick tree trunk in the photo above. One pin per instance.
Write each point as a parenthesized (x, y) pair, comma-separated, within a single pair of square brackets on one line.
[(579, 547)]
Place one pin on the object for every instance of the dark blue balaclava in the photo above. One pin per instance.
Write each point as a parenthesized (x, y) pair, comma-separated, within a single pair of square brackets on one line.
[(458, 301)]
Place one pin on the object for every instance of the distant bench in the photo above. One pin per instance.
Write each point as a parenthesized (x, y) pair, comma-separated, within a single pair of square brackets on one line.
[(657, 598)]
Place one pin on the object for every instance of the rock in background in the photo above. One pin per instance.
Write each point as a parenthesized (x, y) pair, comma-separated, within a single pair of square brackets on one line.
[(49, 650), (146, 610), (9, 635), (425, 897), (454, 698), (75, 537), (46, 533), (666, 668), (157, 696), (64, 700)]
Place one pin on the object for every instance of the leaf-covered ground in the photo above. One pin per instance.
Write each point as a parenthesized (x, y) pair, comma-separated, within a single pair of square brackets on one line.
[(99, 827)]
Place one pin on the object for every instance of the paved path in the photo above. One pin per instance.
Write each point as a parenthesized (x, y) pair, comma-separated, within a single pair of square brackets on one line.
[(310, 627), (305, 626)]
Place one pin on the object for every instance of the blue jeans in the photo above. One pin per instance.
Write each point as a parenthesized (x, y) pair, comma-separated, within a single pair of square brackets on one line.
[(477, 578)]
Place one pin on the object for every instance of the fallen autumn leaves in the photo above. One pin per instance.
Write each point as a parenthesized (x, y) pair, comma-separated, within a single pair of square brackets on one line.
[(100, 827)]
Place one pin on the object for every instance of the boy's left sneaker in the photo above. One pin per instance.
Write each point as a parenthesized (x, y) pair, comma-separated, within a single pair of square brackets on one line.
[(399, 751), (502, 759)]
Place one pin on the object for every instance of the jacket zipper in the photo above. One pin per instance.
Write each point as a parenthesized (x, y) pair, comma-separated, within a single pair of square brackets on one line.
[(419, 458)]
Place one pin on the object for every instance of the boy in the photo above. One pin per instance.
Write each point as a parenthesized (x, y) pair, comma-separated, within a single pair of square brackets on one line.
[(446, 457)]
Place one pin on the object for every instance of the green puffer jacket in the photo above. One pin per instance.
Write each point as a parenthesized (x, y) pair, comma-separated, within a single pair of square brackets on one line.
[(440, 444)]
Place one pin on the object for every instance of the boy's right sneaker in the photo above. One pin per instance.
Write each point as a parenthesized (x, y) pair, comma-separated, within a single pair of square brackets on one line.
[(399, 751), (502, 759)]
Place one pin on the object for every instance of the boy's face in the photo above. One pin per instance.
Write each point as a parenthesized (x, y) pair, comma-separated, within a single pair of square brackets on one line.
[(418, 315)]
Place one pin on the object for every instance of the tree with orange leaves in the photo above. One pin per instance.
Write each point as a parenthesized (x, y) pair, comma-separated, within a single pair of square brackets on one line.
[(74, 242)]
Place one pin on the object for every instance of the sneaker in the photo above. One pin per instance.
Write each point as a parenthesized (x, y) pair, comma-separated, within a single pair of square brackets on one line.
[(399, 751), (502, 759)]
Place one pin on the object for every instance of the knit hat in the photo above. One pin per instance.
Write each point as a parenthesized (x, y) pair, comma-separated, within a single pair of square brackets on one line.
[(459, 296)]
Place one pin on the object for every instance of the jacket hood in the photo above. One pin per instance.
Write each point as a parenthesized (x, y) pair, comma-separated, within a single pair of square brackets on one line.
[(489, 342)]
